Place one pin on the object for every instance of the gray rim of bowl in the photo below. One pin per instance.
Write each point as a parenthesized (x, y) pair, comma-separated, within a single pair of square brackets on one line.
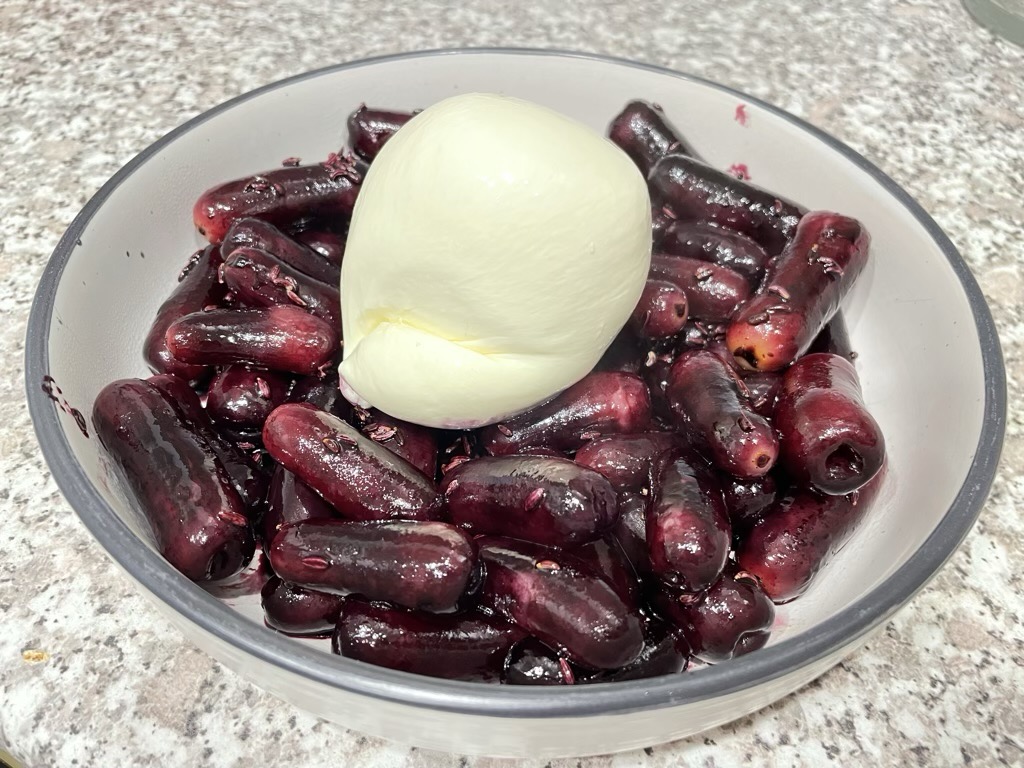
[(217, 619)]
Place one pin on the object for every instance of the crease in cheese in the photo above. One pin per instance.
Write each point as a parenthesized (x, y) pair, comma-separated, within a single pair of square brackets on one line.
[(496, 249)]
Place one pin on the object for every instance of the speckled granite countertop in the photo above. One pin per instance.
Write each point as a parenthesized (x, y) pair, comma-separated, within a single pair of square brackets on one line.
[(915, 86)]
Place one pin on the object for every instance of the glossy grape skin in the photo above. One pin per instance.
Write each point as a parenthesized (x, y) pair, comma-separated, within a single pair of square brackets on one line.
[(323, 393), (733, 617), (545, 500), (829, 440), (263, 236), (328, 244), (717, 245), (661, 220), (626, 459), (626, 354), (607, 558), (698, 334), (747, 498), (414, 443), (417, 564), (762, 391), (259, 279), (688, 533), (282, 197), (799, 534), (290, 500), (656, 375), (665, 652), (630, 531), (244, 472), (462, 646), (357, 476), (370, 128), (706, 399), (661, 311), (280, 338), (196, 517), (533, 663), (713, 292), (718, 347), (197, 289), (601, 403), (242, 397), (299, 611), (644, 133), (800, 293), (560, 601), (694, 191)]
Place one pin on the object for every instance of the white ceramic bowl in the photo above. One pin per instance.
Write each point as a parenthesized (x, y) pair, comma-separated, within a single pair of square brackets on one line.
[(929, 361)]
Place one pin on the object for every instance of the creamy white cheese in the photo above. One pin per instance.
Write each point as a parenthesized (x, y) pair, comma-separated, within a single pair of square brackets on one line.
[(496, 249)]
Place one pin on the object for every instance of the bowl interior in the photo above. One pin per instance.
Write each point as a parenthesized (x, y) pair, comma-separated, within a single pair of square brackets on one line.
[(920, 360)]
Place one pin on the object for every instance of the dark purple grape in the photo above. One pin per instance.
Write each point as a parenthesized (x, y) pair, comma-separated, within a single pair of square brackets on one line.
[(258, 279), (545, 500), (290, 501), (196, 517), (197, 289), (242, 398), (244, 471), (370, 128), (323, 393), (656, 373), (828, 438), (560, 601), (646, 135), (712, 292), (282, 196), (414, 443), (665, 653), (418, 564), (694, 191), (718, 347), (626, 459), (661, 311), (625, 355), (540, 450), (706, 399), (798, 534), (630, 531), (533, 663), (732, 618), (661, 220), (762, 390), (284, 338), (704, 241), (601, 403), (263, 236), (608, 560), (296, 610), (747, 498), (699, 334), (688, 532), (464, 646), (359, 477), (800, 293), (328, 244)]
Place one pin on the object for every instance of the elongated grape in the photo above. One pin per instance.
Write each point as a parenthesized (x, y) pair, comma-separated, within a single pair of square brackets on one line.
[(422, 565)]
